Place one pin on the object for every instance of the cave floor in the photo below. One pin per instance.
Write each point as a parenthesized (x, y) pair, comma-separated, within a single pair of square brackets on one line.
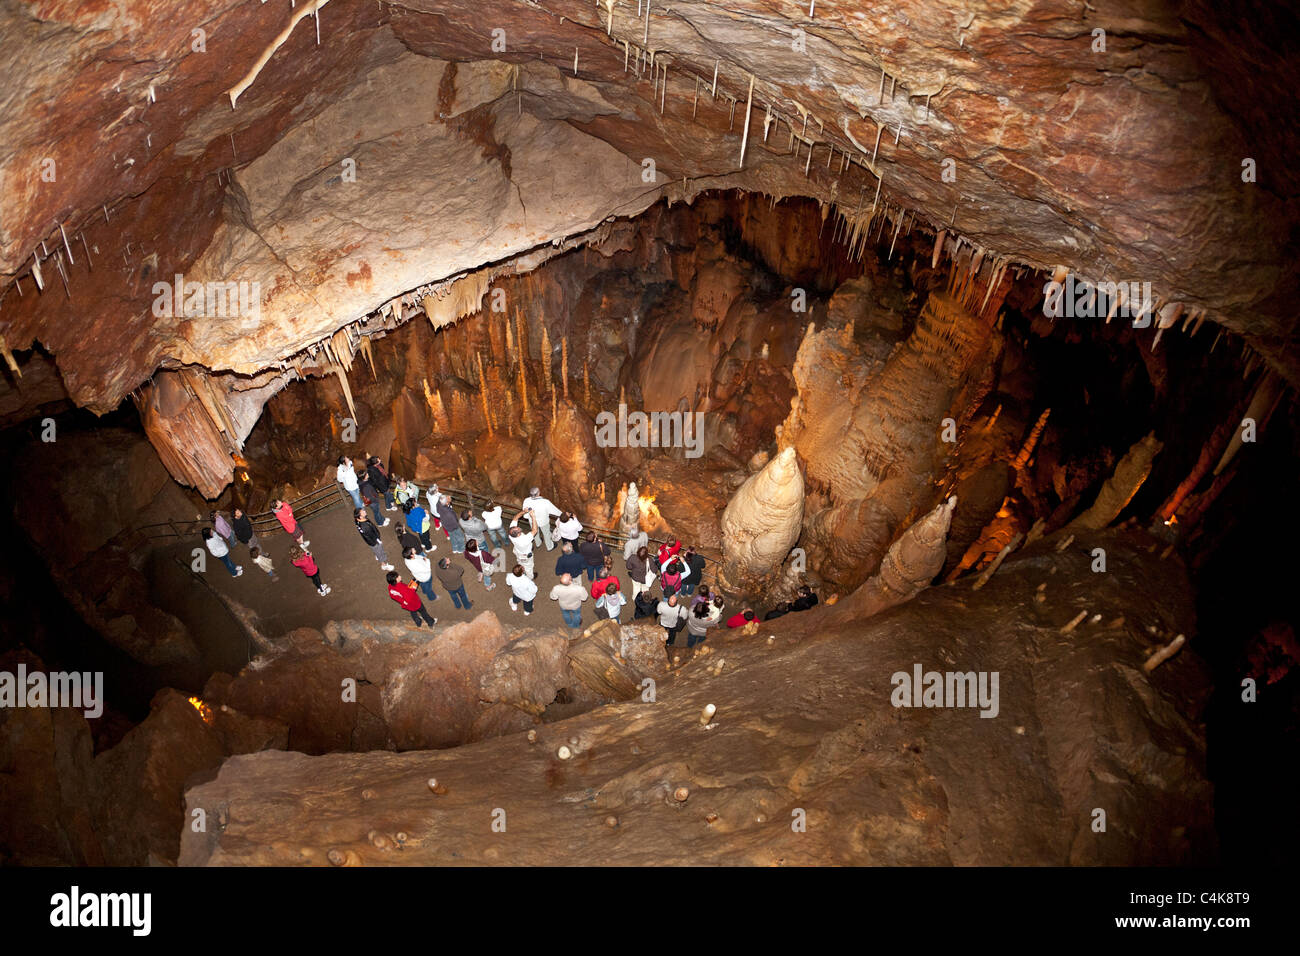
[(359, 590)]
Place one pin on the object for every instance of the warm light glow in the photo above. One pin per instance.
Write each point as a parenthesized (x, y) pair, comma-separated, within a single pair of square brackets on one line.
[(650, 516), (204, 710)]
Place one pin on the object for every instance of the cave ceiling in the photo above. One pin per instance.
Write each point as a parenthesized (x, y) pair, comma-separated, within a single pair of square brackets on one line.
[(388, 148)]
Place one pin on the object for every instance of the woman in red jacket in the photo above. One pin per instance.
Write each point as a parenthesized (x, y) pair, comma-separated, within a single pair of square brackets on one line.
[(283, 512), (667, 551), (303, 561), (605, 578)]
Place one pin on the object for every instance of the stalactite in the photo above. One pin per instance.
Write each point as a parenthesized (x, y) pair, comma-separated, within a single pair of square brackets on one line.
[(487, 412), (523, 389), (1027, 449), (586, 384), (546, 359)]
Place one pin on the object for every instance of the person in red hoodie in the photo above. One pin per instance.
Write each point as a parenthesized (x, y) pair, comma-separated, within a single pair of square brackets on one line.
[(283, 512), (303, 561), (409, 598), (667, 551), (605, 578), (741, 619)]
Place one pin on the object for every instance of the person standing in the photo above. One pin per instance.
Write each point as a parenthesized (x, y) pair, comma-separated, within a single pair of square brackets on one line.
[(717, 607), (671, 617), (674, 574), (380, 481), (301, 559), (612, 601), (406, 492), (220, 550), (569, 528), (346, 476), (569, 562), (451, 524), (407, 539), (408, 600), (370, 535), (475, 528), (222, 527), (523, 588), (635, 544), (695, 564), (540, 512), (371, 497), (263, 562), (569, 594), (593, 551), (701, 597), (638, 568), (484, 563), (418, 521), (804, 599), (492, 521), (698, 623), (244, 532), (452, 577), (283, 512), (667, 552), (605, 578), (522, 543), (421, 571)]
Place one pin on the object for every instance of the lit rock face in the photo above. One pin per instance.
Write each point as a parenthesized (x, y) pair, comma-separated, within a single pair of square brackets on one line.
[(159, 175), (761, 524), (1078, 726), (869, 423)]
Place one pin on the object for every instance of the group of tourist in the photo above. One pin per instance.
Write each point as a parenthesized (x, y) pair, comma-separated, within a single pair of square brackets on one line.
[(682, 602)]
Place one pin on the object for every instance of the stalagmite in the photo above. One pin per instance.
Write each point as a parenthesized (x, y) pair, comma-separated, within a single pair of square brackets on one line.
[(1074, 622), (546, 359), (487, 413), (1119, 490), (988, 572), (762, 522), (629, 520), (1166, 652), (908, 567), (564, 364)]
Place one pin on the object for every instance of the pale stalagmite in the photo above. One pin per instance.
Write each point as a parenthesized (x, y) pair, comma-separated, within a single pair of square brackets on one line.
[(762, 522)]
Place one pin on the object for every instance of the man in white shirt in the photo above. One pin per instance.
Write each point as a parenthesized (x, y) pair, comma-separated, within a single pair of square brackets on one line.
[(346, 476), (541, 511), (421, 570), (492, 518), (523, 547)]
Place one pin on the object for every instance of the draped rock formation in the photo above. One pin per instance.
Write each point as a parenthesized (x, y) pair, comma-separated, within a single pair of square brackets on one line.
[(1120, 488)]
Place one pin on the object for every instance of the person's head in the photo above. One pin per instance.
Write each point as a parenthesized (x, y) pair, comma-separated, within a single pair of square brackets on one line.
[(567, 548), (675, 567), (207, 533), (408, 553), (465, 514), (704, 592), (391, 576), (372, 460), (643, 552), (491, 506), (360, 515), (517, 570), (295, 553), (277, 504), (609, 564), (239, 512), (444, 563), (611, 587), (254, 553), (515, 532), (446, 499), (566, 579), (534, 492), (471, 546), (672, 599), (701, 609), (344, 460), (690, 551), (212, 515), (591, 536), (565, 516), (718, 602), (750, 615), (804, 590)]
